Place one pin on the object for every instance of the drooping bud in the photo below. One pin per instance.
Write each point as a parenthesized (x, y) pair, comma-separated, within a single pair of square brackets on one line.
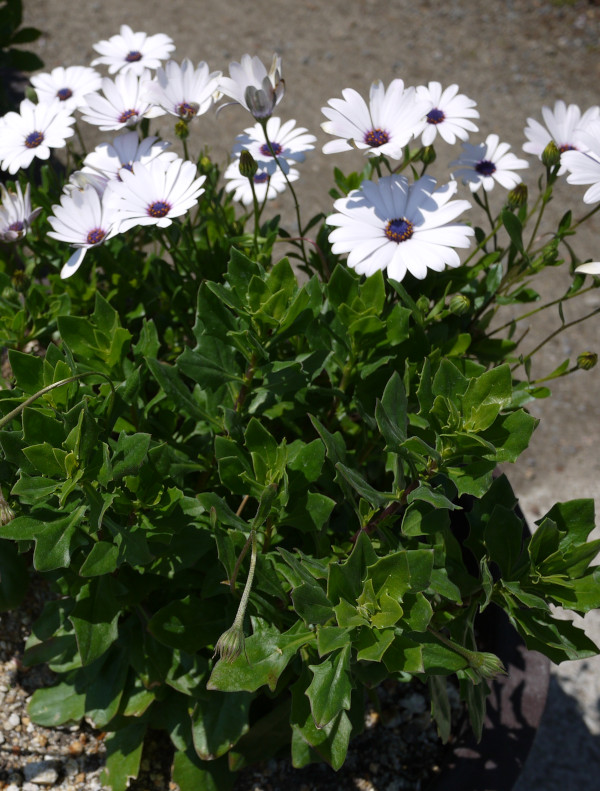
[(551, 155), (231, 644), (6, 512), (517, 196), (587, 360), (423, 303), (428, 155), (484, 664), (459, 304), (248, 165)]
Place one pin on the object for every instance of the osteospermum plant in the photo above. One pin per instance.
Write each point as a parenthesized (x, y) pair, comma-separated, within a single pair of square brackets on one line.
[(240, 449)]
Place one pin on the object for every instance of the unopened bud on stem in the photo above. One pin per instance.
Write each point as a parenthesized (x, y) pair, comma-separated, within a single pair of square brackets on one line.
[(517, 197), (248, 165), (459, 304), (551, 155), (587, 360)]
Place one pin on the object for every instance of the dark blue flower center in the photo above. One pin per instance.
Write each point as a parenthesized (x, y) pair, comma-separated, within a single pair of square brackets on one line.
[(376, 138), (435, 116), (16, 226), (159, 209), (64, 93), (95, 236), (399, 230), (267, 152), (260, 178), (133, 56), (127, 115), (186, 110), (34, 139), (567, 147), (127, 166), (485, 167)]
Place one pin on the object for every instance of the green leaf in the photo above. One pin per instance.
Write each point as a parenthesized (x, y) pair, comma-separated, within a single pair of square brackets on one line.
[(218, 721), (372, 644), (190, 773), (57, 705), (372, 496), (503, 536), (123, 755), (130, 453), (513, 227), (28, 370), (54, 543), (311, 603), (104, 682), (101, 560), (95, 618), (265, 738), (440, 706), (330, 689)]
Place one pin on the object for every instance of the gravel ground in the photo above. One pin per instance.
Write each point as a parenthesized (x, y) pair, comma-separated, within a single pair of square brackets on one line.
[(511, 57)]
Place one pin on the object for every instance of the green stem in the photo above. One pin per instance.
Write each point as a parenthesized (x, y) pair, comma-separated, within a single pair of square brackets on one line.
[(17, 410), (537, 310), (292, 190), (554, 334)]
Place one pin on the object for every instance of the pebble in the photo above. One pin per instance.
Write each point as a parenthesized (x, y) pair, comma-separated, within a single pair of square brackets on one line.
[(41, 773), (12, 722)]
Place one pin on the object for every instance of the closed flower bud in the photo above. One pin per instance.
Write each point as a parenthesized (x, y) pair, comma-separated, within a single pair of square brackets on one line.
[(517, 197), (423, 303), (182, 129), (6, 512), (231, 644), (459, 304), (428, 155), (587, 360), (485, 665), (551, 155), (248, 165)]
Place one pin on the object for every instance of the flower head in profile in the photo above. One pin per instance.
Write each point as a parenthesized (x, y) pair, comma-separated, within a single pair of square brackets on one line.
[(285, 141), (400, 227), (447, 114), (109, 159), (156, 192), (252, 86), (83, 220), (564, 127), (184, 91), (383, 126), (488, 163), (16, 215), (133, 52), (266, 185), (33, 132), (123, 104), (69, 85), (584, 166)]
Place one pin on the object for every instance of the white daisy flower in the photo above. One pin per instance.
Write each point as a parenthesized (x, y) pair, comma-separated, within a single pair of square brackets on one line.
[(487, 163), (69, 85), (32, 132), (84, 220), (401, 227), (384, 126), (123, 105), (584, 166), (133, 52), (155, 193), (267, 186), (564, 126), (287, 143), (109, 159), (448, 114), (250, 85), (184, 91), (15, 213)]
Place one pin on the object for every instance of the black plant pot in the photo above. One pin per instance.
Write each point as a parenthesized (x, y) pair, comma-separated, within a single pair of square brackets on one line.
[(514, 711)]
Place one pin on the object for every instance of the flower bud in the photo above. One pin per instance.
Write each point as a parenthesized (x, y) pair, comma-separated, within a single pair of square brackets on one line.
[(587, 360), (231, 644), (423, 303), (485, 665), (428, 155), (551, 155), (248, 165), (459, 304), (517, 197), (6, 512), (182, 129)]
